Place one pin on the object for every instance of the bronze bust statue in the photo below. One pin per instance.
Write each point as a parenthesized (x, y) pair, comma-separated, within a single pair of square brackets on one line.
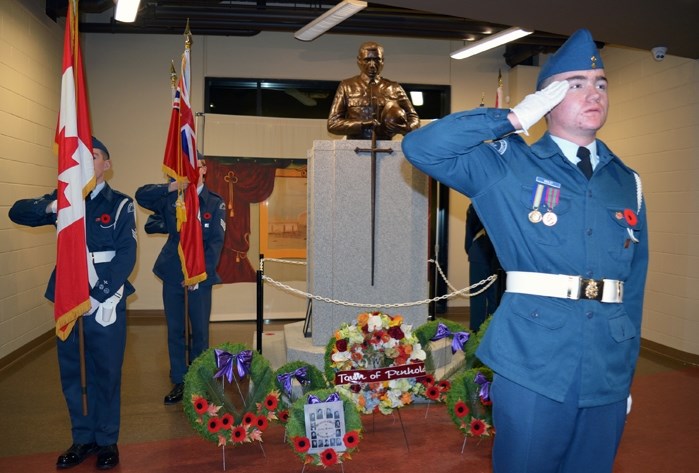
[(369, 102)]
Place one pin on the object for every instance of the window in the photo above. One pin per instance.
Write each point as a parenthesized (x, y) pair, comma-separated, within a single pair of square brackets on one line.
[(301, 98)]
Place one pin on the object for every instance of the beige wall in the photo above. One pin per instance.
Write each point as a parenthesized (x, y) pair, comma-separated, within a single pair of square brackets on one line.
[(653, 120), (654, 126), (30, 69)]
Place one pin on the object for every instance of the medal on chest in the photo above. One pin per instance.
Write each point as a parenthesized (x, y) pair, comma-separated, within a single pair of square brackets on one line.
[(549, 191)]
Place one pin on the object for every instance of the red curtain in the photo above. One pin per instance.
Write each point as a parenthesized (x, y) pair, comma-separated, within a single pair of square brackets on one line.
[(239, 184)]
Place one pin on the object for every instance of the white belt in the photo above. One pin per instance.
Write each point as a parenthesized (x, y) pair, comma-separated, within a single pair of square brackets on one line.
[(102, 256), (565, 287)]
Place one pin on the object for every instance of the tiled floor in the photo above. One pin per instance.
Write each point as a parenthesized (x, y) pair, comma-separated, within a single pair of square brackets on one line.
[(34, 417)]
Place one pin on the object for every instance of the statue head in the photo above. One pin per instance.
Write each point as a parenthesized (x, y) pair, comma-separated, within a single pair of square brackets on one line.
[(370, 59)]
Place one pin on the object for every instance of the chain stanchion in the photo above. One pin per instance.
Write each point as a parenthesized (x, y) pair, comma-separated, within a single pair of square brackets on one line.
[(484, 285), (259, 320)]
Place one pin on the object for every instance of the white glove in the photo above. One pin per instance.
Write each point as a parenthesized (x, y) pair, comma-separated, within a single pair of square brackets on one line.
[(629, 401), (536, 105)]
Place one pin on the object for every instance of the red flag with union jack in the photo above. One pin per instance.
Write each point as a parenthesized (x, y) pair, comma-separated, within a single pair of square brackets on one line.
[(180, 163), (76, 178)]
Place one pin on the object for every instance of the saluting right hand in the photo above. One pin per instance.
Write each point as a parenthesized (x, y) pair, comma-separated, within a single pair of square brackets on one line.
[(534, 106)]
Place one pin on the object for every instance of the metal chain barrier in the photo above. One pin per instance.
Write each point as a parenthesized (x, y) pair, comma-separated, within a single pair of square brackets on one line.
[(485, 283)]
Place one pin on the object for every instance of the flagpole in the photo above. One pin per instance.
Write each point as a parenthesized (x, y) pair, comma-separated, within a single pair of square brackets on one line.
[(83, 373), (187, 332), (73, 18)]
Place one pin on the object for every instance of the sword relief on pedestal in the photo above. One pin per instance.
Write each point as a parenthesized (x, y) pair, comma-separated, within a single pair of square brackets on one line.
[(374, 164)]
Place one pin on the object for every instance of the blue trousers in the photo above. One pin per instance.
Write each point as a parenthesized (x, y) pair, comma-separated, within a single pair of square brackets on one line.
[(104, 357), (535, 434), (199, 305)]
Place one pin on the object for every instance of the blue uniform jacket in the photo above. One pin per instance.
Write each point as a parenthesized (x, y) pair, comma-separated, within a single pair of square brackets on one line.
[(156, 198), (102, 233), (538, 342)]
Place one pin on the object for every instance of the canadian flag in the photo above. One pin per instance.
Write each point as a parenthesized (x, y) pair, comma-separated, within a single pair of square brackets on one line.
[(76, 178)]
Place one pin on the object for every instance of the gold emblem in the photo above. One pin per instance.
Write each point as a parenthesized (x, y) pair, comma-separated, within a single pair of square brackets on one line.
[(591, 289), (594, 61)]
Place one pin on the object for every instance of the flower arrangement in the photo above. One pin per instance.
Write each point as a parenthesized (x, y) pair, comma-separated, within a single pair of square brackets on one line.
[(229, 396), (376, 362), (468, 402), (308, 376), (301, 444)]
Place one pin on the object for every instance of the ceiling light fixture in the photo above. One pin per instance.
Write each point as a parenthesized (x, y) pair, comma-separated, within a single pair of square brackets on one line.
[(491, 42), (330, 18), (126, 10)]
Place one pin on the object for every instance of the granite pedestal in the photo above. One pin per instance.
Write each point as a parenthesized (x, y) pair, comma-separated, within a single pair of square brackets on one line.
[(340, 238)]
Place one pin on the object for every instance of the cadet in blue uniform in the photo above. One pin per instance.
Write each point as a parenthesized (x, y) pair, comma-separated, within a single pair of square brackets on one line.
[(565, 338), (110, 227), (161, 199)]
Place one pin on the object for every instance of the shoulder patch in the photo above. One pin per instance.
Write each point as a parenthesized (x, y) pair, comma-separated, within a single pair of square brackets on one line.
[(222, 206), (130, 209), (500, 146)]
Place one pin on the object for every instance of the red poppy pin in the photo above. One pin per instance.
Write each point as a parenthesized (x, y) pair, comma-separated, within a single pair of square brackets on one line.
[(630, 217), (207, 216), (105, 218)]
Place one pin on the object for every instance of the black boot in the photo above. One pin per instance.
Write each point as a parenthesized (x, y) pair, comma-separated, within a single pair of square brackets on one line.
[(75, 455), (107, 457), (174, 396)]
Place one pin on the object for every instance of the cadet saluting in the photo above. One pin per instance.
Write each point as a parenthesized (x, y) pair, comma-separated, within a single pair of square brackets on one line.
[(573, 239)]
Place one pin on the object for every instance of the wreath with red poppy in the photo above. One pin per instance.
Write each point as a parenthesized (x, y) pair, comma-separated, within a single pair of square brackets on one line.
[(436, 389), (469, 404), (301, 444), (229, 401), (296, 373)]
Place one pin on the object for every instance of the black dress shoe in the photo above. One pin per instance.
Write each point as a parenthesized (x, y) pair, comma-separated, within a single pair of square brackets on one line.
[(75, 455), (107, 457), (174, 396)]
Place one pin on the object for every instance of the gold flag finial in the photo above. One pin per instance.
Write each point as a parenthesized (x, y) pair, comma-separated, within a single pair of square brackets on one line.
[(187, 36), (173, 74), (482, 99)]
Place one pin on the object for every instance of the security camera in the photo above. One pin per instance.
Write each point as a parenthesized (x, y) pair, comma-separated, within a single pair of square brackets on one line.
[(659, 53)]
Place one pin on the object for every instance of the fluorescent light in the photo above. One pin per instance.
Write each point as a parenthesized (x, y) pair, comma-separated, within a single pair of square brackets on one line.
[(417, 98), (330, 18), (126, 10), (490, 42)]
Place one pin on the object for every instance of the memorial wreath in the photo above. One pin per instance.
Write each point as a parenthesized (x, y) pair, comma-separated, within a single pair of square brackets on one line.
[(434, 331), (297, 432), (377, 362), (469, 404), (306, 375), (229, 396)]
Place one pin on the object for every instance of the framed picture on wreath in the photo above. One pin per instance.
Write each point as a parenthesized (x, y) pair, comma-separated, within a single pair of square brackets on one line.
[(284, 216), (325, 426)]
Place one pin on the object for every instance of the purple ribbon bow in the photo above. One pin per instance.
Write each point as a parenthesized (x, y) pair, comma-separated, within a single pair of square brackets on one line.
[(224, 363), (442, 332), (483, 382), (301, 375), (459, 340), (315, 400)]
